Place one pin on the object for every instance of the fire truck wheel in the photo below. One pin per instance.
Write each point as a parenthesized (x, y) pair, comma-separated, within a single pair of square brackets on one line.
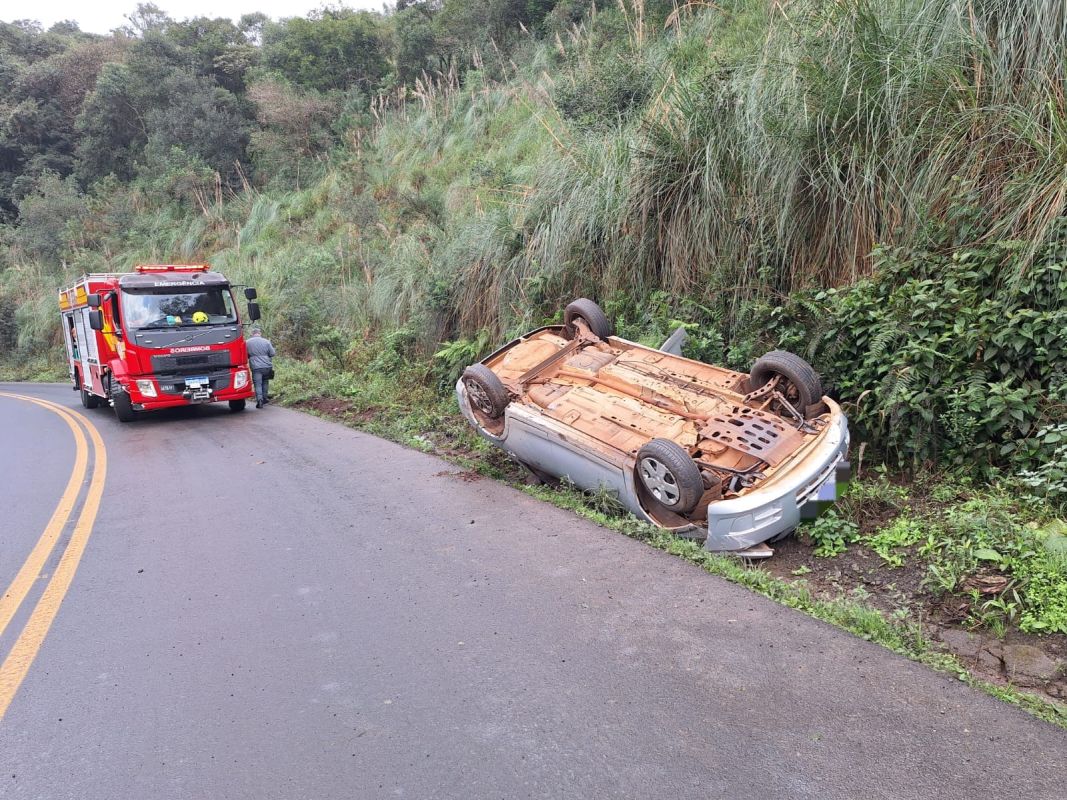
[(89, 400), (237, 405), (123, 406)]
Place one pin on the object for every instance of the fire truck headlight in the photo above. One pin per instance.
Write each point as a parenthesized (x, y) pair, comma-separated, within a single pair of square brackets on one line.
[(147, 388), (240, 379)]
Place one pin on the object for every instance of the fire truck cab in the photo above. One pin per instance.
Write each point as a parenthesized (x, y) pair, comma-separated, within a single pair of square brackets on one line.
[(161, 336)]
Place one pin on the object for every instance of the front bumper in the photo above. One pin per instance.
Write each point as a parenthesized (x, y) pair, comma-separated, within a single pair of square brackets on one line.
[(777, 509), (172, 393)]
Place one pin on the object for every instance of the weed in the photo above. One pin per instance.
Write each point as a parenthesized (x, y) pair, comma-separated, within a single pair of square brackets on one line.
[(831, 534), (1048, 480), (892, 541)]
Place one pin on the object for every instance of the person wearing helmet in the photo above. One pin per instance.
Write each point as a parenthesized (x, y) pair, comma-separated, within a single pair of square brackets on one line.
[(260, 355)]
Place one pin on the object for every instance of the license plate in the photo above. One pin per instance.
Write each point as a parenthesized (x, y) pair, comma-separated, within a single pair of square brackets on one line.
[(823, 497), (197, 383), (828, 491)]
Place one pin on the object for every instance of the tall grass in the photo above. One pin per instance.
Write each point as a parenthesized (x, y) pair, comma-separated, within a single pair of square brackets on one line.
[(781, 143), (855, 123)]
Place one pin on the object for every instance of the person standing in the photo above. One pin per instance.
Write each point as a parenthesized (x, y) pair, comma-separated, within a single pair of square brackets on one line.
[(260, 355)]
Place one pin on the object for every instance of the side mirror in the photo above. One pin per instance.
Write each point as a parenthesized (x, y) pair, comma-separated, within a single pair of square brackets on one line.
[(250, 293), (94, 301), (96, 318), (253, 312)]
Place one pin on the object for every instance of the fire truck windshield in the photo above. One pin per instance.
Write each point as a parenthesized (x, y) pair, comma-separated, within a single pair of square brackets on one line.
[(143, 310)]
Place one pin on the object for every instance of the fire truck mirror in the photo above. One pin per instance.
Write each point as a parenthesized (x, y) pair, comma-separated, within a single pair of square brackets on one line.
[(94, 300), (253, 311), (96, 318), (250, 293)]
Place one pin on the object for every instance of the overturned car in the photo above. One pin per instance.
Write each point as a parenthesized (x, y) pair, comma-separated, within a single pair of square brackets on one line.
[(702, 450)]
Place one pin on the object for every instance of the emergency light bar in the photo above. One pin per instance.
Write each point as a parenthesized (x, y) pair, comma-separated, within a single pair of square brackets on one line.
[(172, 267)]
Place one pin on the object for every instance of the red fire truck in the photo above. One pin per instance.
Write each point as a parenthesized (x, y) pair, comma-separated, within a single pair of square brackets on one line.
[(163, 335)]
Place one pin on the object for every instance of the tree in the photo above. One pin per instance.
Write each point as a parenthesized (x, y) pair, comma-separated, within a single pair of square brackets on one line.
[(212, 47), (147, 18), (24, 42), (201, 119), (469, 24), (295, 128), (111, 126), (47, 215), (416, 46), (332, 49), (44, 79), (251, 27), (149, 98)]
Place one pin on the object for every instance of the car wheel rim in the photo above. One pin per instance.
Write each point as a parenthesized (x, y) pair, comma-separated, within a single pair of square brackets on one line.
[(479, 397), (659, 480)]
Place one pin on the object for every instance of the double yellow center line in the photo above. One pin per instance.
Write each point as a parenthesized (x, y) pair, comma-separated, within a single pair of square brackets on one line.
[(22, 653)]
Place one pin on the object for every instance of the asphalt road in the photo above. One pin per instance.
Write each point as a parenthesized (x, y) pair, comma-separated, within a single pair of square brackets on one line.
[(274, 606)]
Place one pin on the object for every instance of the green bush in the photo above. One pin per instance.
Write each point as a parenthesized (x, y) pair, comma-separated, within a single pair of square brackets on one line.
[(949, 352), (1048, 480), (892, 541), (605, 93)]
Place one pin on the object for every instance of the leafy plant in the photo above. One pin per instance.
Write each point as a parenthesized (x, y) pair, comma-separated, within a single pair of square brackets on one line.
[(1048, 479), (831, 534), (948, 354), (453, 357), (330, 341), (892, 541)]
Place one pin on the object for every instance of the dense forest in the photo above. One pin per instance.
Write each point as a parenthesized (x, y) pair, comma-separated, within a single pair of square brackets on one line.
[(879, 185)]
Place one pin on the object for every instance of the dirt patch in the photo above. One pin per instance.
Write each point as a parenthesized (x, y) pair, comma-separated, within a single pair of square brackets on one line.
[(343, 410), (857, 572), (467, 475)]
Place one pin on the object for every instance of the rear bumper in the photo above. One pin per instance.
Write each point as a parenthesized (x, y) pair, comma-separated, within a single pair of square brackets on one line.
[(765, 513)]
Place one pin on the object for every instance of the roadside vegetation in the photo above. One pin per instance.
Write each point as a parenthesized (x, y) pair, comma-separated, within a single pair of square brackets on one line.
[(877, 185)]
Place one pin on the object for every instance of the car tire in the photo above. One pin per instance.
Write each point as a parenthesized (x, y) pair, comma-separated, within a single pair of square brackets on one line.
[(668, 473), (591, 314), (485, 391), (237, 405), (803, 387), (122, 404)]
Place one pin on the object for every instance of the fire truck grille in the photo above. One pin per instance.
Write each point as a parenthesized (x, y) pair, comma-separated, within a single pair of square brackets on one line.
[(188, 364)]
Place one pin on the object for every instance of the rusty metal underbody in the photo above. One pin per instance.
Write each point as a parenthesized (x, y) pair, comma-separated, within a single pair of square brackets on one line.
[(623, 396)]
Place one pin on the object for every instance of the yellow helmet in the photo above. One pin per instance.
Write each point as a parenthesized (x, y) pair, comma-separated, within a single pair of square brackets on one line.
[(199, 317)]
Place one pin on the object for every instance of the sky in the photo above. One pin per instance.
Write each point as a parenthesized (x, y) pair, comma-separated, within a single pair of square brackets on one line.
[(102, 16)]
